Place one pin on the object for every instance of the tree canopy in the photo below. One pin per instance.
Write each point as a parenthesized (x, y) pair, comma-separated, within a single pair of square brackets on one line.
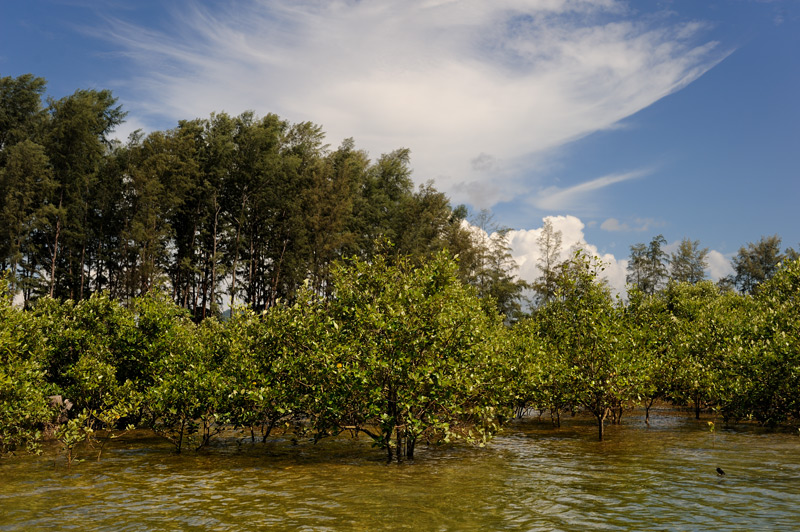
[(219, 212)]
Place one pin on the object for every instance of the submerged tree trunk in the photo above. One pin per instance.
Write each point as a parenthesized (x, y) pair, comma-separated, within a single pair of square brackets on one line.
[(648, 405), (555, 417), (601, 417), (616, 414)]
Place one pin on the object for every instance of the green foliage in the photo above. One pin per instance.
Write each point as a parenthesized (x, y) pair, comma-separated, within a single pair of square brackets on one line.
[(21, 110), (688, 263), (584, 331), (183, 404), (265, 375), (121, 251), (700, 322), (403, 353), (539, 374), (73, 432), (23, 390), (549, 242), (259, 201), (765, 368), (757, 262), (493, 270), (647, 268), (653, 332)]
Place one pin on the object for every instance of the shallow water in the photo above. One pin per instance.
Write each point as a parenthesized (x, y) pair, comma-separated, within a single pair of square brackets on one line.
[(533, 477)]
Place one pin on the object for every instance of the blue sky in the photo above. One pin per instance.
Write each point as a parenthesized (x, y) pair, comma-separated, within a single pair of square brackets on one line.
[(620, 120)]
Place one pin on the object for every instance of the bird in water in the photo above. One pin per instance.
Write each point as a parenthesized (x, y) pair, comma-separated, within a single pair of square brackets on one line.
[(720, 472)]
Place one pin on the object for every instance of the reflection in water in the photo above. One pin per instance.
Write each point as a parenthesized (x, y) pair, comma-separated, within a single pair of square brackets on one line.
[(533, 477)]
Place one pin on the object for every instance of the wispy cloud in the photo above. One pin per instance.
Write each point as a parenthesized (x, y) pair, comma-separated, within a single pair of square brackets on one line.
[(474, 88), (638, 225), (575, 198)]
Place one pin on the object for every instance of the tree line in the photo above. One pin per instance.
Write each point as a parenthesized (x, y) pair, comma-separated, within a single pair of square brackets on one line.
[(243, 210), (360, 304), (404, 353), (218, 212), (650, 268)]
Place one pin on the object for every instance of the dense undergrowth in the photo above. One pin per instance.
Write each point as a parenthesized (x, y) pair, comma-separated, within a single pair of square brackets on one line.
[(402, 352)]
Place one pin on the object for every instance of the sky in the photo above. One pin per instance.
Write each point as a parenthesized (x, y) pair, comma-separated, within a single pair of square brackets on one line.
[(617, 120)]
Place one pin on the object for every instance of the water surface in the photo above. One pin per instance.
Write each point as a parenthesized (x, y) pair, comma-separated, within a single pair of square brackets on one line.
[(532, 477)]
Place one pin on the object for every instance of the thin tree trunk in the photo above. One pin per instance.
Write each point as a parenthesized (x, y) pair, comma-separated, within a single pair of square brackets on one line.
[(214, 256), (55, 253), (205, 286), (647, 408), (55, 245), (98, 283), (82, 268), (251, 295), (190, 285), (600, 422), (273, 296), (236, 252), (235, 261)]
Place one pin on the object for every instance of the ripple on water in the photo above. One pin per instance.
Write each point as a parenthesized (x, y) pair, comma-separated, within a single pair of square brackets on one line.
[(534, 477)]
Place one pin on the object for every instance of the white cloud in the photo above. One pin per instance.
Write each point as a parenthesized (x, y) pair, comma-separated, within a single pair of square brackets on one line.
[(612, 224), (525, 250), (640, 225), (474, 88), (526, 253), (719, 265), (574, 197), (124, 130)]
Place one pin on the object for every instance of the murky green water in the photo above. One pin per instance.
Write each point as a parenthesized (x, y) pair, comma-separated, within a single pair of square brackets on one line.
[(533, 477)]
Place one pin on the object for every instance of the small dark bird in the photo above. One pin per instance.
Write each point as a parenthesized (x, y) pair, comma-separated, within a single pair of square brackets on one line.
[(720, 472)]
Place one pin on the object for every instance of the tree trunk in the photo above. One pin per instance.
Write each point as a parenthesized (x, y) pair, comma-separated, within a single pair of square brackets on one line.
[(233, 279), (401, 451), (273, 297), (555, 417), (236, 252), (600, 421), (213, 258), (98, 276), (190, 284), (55, 247), (204, 286)]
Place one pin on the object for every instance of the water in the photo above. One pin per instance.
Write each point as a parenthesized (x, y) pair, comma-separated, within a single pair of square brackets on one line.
[(533, 477)]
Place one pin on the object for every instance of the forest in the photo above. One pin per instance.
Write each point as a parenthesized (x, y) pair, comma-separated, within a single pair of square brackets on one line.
[(218, 211), (357, 303)]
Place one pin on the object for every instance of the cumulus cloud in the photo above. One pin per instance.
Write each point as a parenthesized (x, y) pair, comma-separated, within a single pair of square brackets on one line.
[(453, 80), (525, 250), (526, 253), (719, 265)]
